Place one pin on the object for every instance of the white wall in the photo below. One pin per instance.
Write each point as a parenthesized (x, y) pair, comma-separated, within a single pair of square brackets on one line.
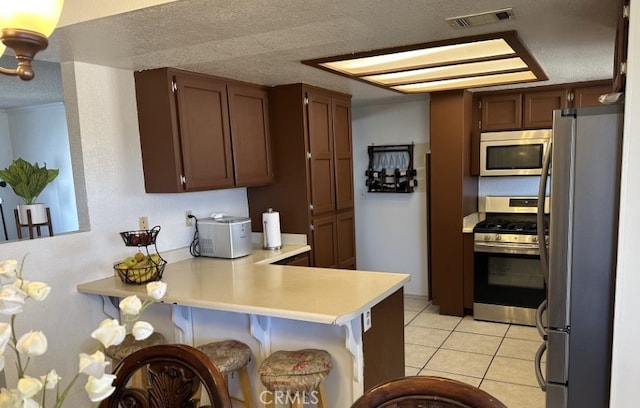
[(39, 134), (103, 128), (391, 228), (626, 337)]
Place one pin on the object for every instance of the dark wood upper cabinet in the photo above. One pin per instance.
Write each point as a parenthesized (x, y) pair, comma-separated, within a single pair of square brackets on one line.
[(539, 107), (622, 42), (321, 154), (343, 152), (502, 112), (199, 132), (249, 116), (588, 95), (204, 133)]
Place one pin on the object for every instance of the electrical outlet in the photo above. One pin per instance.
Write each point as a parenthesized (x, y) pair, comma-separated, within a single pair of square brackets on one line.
[(366, 317), (188, 221), (143, 223)]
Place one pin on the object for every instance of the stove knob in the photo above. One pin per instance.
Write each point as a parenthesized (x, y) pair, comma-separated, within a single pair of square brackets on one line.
[(487, 237), (534, 238), (498, 237)]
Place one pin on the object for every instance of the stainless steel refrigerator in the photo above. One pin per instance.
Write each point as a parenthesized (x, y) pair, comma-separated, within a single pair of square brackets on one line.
[(576, 319)]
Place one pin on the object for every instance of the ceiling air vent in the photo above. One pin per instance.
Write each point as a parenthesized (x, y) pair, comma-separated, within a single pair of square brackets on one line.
[(487, 17)]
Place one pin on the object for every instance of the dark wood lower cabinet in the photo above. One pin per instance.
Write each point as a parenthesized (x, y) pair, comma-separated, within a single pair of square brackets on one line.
[(467, 272), (346, 224), (383, 343), (324, 242), (296, 260)]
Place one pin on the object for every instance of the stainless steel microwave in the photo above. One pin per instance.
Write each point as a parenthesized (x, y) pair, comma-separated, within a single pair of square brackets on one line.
[(513, 153)]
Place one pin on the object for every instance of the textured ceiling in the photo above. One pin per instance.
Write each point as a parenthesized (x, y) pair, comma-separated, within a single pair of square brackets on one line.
[(263, 41)]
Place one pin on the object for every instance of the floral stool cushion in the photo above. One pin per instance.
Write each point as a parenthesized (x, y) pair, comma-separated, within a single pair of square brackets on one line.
[(227, 355), (295, 371), (130, 345)]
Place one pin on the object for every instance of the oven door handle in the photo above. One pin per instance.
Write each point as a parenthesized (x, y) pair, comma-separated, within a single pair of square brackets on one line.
[(538, 366), (495, 248)]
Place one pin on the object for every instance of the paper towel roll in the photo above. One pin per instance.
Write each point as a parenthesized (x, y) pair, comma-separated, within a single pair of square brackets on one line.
[(271, 229)]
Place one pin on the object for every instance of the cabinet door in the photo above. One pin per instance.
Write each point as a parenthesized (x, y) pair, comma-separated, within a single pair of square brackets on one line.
[(502, 112), (539, 107), (248, 114), (346, 240), (324, 239), (343, 153), (204, 133), (319, 112), (588, 95)]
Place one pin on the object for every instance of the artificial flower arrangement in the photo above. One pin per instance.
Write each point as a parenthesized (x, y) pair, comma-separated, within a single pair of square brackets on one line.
[(33, 392)]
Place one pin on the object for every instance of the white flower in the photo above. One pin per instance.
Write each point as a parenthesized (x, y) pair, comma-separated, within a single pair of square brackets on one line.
[(20, 283), (110, 332), (38, 290), (11, 300), (141, 330), (93, 364), (130, 305), (10, 398), (156, 289), (99, 389), (30, 403), (29, 386), (5, 335), (50, 380), (8, 271), (32, 344)]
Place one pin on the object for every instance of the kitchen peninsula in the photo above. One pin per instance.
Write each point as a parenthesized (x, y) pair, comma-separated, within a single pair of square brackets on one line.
[(272, 307)]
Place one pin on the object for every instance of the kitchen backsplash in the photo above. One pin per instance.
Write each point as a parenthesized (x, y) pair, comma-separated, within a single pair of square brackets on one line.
[(509, 186)]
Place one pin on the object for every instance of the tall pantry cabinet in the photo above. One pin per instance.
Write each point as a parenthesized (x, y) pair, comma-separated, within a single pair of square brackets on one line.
[(313, 166)]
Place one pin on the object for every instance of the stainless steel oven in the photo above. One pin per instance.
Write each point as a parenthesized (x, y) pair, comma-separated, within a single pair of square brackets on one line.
[(508, 276)]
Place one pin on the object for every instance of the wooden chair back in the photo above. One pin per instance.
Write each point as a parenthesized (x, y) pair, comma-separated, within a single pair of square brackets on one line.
[(426, 391), (175, 372)]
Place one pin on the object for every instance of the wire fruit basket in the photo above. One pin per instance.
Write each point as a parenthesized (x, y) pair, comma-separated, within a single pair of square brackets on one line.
[(140, 237), (150, 272), (141, 268)]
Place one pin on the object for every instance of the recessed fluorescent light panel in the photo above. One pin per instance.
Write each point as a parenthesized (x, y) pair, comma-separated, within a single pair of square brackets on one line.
[(468, 62)]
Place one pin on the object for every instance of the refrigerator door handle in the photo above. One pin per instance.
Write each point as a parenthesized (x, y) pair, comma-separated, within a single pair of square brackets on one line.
[(542, 329), (542, 239), (538, 366)]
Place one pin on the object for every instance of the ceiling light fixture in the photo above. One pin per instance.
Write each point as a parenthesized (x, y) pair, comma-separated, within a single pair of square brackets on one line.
[(468, 62), (25, 26)]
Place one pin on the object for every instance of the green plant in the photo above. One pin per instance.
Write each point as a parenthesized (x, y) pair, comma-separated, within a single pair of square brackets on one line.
[(28, 180)]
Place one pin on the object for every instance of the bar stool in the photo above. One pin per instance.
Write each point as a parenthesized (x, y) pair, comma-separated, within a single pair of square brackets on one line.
[(231, 356), (130, 345), (295, 376)]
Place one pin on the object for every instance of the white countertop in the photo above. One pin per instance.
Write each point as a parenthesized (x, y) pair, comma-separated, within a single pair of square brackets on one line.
[(471, 220), (251, 285)]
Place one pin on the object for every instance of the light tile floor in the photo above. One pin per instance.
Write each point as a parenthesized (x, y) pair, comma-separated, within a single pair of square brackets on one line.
[(496, 357)]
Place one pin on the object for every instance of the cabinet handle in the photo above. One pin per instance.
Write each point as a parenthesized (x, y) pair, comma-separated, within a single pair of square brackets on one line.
[(174, 86), (183, 179), (308, 155), (311, 207)]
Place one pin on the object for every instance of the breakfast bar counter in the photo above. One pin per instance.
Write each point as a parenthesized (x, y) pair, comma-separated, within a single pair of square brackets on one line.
[(281, 307)]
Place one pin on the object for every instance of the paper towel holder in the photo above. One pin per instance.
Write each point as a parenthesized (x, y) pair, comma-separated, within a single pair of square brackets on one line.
[(268, 242)]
